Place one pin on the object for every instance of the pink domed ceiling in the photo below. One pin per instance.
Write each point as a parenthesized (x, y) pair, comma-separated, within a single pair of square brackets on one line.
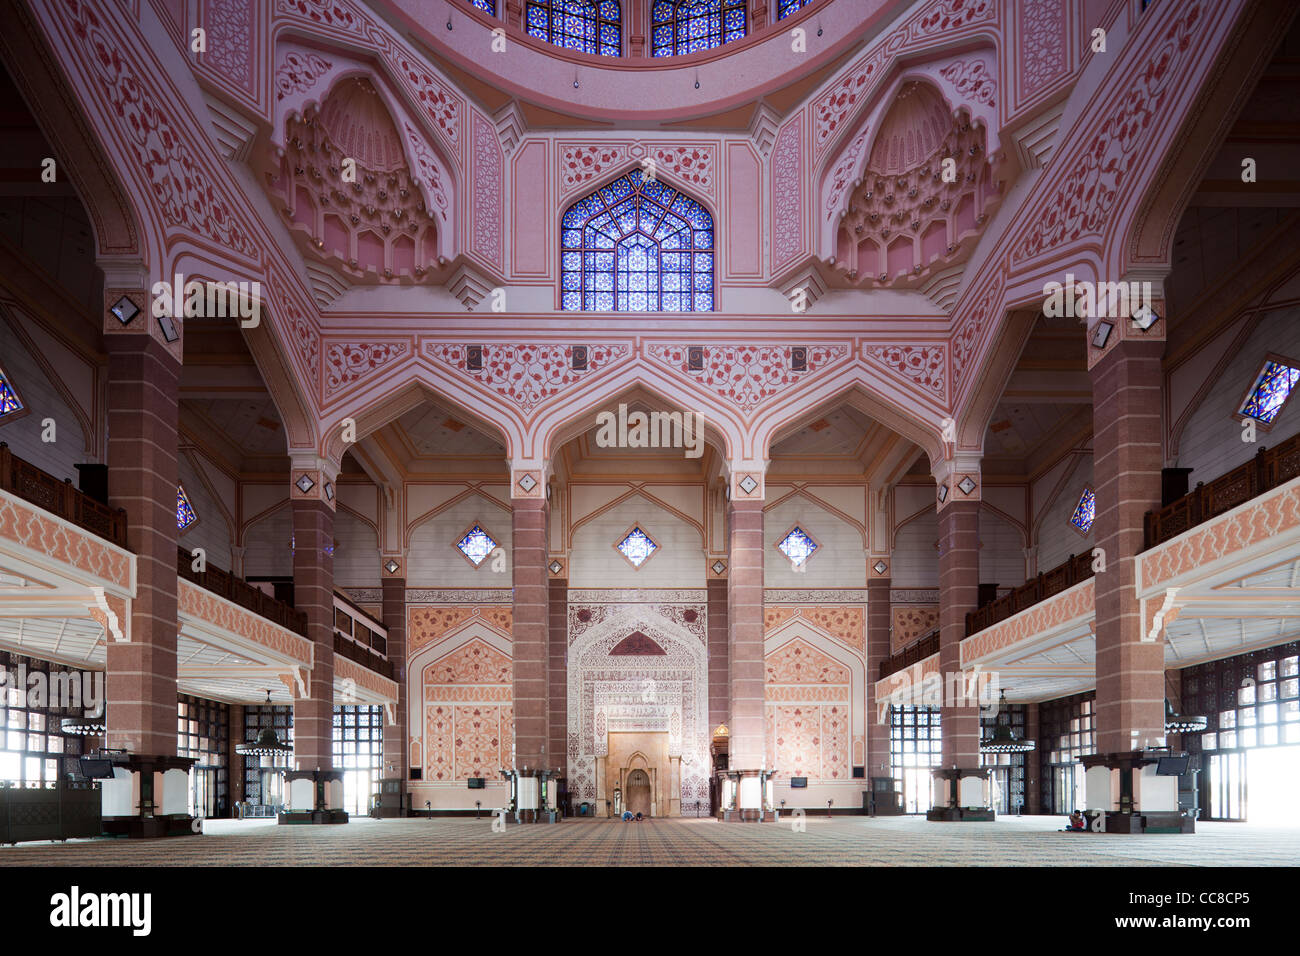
[(372, 228), (903, 219)]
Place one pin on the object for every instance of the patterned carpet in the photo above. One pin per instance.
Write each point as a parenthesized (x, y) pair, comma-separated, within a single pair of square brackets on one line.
[(843, 841)]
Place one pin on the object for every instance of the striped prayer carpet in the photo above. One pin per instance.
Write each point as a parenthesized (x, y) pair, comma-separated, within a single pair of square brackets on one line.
[(839, 841)]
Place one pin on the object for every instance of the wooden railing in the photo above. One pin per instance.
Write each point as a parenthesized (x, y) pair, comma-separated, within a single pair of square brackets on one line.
[(1269, 468), (1075, 568), (910, 655), (237, 590), (359, 655), (22, 478)]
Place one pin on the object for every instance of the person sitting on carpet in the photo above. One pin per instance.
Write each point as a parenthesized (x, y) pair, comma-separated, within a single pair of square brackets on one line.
[(1077, 823), (627, 815), (639, 818)]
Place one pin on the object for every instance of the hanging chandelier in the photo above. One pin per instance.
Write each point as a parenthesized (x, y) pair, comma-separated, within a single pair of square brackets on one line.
[(1004, 739), (267, 744), (83, 726), (1178, 724)]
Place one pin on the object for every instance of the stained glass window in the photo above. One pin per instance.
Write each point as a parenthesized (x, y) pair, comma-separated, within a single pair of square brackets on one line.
[(637, 546), (797, 545), (588, 26), (8, 396), (1084, 511), (1271, 390), (476, 545), (487, 6), (185, 515), (787, 7), (689, 26), (637, 245)]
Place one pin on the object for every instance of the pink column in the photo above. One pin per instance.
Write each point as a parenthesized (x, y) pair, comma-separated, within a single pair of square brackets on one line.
[(396, 744), (530, 632), (1126, 388), (313, 594), (143, 373), (745, 634), (719, 664), (959, 574), (878, 614)]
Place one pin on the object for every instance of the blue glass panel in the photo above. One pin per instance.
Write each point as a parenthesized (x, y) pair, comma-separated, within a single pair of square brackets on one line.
[(185, 515), (571, 302), (797, 546), (476, 545), (8, 397), (1272, 388), (1084, 511), (663, 11), (487, 6)]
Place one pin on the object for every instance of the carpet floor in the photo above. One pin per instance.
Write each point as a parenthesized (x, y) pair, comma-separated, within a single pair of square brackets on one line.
[(843, 841)]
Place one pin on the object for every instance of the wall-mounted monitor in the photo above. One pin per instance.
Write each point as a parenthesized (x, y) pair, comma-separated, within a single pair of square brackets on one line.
[(477, 783), (798, 783), (1172, 766)]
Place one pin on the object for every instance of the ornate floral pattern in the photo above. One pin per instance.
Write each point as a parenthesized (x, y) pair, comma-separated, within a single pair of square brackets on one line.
[(582, 162), (749, 375), (908, 622), (1042, 43), (787, 193), (925, 365), (348, 362), (488, 186), (972, 80), (297, 71), (528, 375)]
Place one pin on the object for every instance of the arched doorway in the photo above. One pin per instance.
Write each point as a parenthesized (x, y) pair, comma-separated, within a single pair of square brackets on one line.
[(638, 792)]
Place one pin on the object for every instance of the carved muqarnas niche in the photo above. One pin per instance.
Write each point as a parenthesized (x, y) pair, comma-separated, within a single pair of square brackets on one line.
[(905, 215), (346, 191)]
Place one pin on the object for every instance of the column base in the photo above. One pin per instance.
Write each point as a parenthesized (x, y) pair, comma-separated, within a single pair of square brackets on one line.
[(311, 817), (960, 815), (746, 816), (151, 828)]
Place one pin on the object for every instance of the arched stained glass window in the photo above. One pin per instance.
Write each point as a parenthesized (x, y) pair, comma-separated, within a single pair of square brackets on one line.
[(637, 245), (487, 6), (787, 7), (185, 515), (589, 26), (689, 26)]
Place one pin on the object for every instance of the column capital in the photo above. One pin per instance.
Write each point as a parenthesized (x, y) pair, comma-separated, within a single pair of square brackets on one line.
[(879, 567), (745, 479), (1143, 320), (957, 478), (529, 478), (312, 478), (392, 564)]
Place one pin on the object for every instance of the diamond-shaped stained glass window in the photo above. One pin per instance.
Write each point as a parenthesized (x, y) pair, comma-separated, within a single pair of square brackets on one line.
[(1271, 390), (1085, 511), (637, 546), (9, 401), (185, 515), (476, 545), (797, 545)]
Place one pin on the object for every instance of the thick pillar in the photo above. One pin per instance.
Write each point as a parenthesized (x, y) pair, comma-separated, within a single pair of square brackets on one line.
[(719, 656), (1126, 466), (878, 626), (745, 633), (531, 627), (143, 372), (1033, 762), (313, 594), (557, 674), (959, 572), (396, 744), (234, 760)]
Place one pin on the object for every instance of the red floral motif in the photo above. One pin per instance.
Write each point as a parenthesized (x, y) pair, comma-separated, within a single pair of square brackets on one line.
[(1089, 189), (923, 364), (297, 71), (692, 164), (910, 622), (346, 363), (185, 194), (798, 662), (320, 11), (528, 375), (748, 375), (474, 663), (305, 339), (968, 332), (972, 80), (581, 162)]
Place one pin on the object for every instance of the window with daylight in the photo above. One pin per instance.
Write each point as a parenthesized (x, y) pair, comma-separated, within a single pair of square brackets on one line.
[(797, 545), (588, 26), (1084, 512), (33, 744), (264, 776), (202, 732), (359, 753), (787, 7), (637, 546), (476, 544), (9, 400), (915, 749), (689, 26), (1068, 726), (185, 515), (637, 245), (1269, 392)]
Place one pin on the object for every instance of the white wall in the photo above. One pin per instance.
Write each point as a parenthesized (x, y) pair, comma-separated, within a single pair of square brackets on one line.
[(267, 546), (356, 554), (916, 559), (433, 560), (840, 562), (1057, 538), (211, 532), (1210, 442), (23, 433), (1002, 551), (679, 562)]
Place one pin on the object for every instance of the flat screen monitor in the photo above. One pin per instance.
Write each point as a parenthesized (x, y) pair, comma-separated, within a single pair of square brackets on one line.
[(798, 783), (477, 783), (97, 768), (1172, 766)]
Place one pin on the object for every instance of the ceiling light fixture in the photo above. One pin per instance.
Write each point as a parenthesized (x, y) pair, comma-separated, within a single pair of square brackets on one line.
[(1004, 740), (268, 742)]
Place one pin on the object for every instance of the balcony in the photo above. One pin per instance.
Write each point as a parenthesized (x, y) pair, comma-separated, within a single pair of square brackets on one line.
[(1269, 469), (238, 591), (23, 479), (908, 656), (359, 637), (1075, 568)]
